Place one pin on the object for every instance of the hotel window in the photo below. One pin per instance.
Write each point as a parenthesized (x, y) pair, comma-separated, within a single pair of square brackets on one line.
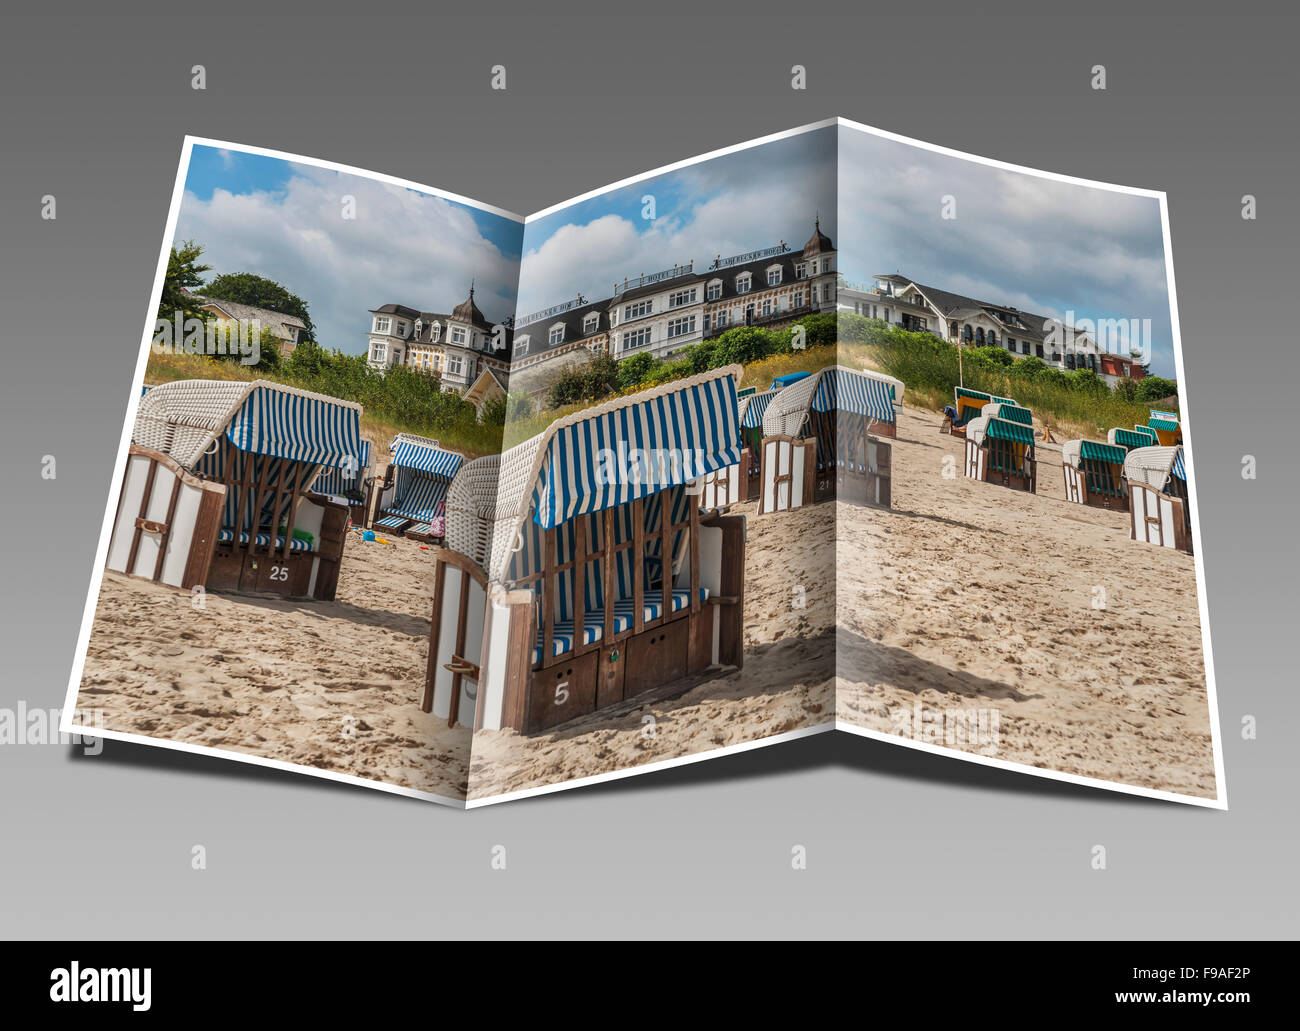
[(714, 290), (979, 335), (457, 334), (435, 332), (774, 276), (378, 352), (1011, 343), (826, 292), (801, 270), (993, 339), (590, 322), (1024, 347), (381, 325), (401, 329), (521, 346), (636, 338), (706, 323), (828, 264), (681, 327), (637, 311), (454, 364), (744, 283), (556, 336), (767, 306), (681, 298), (722, 318)]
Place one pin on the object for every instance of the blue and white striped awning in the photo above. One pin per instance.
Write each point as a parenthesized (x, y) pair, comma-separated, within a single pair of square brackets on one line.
[(338, 481), (285, 423), (416, 453), (847, 390), (1178, 469), (636, 449), (753, 407)]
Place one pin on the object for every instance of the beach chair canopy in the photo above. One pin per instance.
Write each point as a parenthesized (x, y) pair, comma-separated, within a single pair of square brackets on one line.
[(833, 389), (985, 426), (421, 454), (336, 482), (1164, 425), (1152, 465), (1012, 411), (753, 407), (1075, 452), (1164, 416), (1178, 469), (975, 395), (1139, 436), (629, 448), (788, 378), (423, 471), (186, 418)]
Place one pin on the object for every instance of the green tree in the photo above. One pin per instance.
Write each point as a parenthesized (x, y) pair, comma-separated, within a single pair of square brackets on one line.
[(260, 292), (184, 274)]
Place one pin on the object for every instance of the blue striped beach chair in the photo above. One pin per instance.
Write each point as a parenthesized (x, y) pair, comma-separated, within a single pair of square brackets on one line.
[(413, 501), (610, 582), (265, 444)]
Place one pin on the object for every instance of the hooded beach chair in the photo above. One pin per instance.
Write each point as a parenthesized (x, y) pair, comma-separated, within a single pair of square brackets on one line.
[(578, 570), (257, 448), (1166, 427), (413, 499), (1159, 498), (1094, 473), (1000, 448), (821, 439), (967, 404), (1139, 436)]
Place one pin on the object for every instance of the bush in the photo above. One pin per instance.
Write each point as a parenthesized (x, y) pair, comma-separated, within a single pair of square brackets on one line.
[(1155, 388)]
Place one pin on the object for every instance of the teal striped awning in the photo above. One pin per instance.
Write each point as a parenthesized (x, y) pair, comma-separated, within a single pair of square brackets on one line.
[(1096, 451), (1005, 429)]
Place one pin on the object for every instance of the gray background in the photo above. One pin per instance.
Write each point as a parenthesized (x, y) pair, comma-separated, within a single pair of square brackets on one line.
[(93, 109)]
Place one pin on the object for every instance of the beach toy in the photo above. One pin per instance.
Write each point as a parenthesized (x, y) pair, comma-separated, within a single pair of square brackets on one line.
[(367, 535)]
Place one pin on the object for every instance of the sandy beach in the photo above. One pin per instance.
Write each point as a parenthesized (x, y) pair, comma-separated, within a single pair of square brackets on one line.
[(969, 598), (787, 682), (330, 685)]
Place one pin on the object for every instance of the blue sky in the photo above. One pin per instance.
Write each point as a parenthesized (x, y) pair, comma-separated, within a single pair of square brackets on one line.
[(1038, 244), (284, 221), (726, 205)]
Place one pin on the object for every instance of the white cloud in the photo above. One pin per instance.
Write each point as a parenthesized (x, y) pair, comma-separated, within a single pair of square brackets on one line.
[(1020, 239), (402, 247)]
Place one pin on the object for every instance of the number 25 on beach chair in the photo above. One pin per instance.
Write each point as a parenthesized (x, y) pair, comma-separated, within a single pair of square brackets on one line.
[(218, 488)]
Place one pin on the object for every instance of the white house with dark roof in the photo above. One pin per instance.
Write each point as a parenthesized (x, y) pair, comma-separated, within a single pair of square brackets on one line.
[(898, 300), (459, 346), (288, 330)]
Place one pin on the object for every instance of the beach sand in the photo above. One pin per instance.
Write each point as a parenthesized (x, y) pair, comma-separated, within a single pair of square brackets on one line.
[(787, 682), (330, 685), (970, 598)]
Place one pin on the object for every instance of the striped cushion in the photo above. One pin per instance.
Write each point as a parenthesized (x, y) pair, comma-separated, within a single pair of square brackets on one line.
[(392, 522), (226, 535), (420, 528), (594, 623)]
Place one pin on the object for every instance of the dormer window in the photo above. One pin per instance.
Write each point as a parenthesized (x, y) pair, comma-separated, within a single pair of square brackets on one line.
[(435, 332), (382, 324), (590, 322), (774, 275), (521, 346), (801, 270), (744, 283), (419, 326), (401, 329), (556, 335), (714, 290)]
